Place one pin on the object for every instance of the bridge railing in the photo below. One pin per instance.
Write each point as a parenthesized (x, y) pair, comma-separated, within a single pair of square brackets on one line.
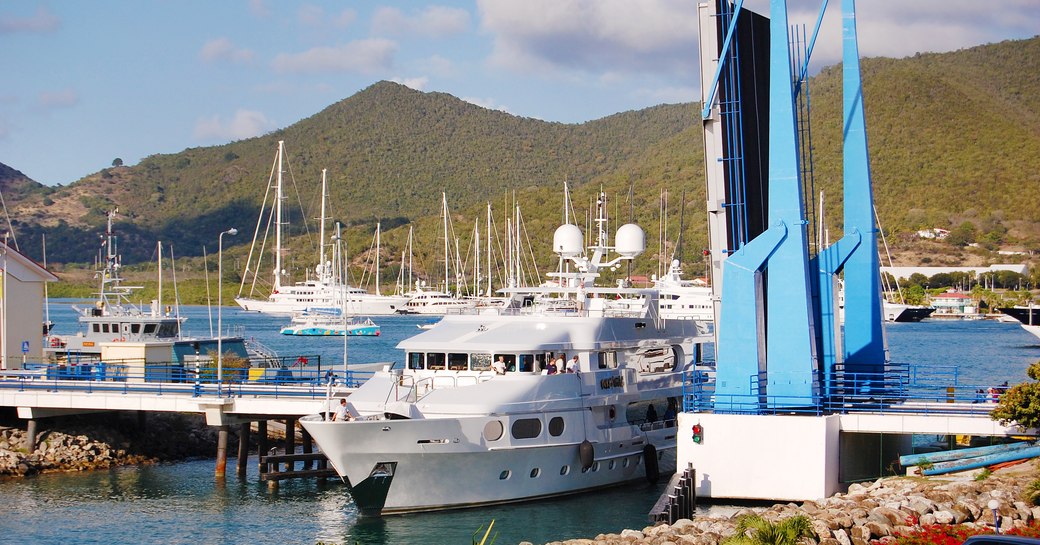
[(899, 388), (126, 376)]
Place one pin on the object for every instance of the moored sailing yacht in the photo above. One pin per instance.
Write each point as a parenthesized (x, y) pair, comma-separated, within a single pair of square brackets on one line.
[(482, 413), (322, 291)]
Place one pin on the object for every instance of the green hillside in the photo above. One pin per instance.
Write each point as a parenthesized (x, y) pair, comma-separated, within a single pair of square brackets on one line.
[(955, 142)]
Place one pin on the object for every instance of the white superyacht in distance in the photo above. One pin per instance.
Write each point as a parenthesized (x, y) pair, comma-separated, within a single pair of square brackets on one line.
[(475, 417)]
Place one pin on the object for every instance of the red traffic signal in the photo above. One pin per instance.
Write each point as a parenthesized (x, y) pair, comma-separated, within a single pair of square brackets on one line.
[(698, 433)]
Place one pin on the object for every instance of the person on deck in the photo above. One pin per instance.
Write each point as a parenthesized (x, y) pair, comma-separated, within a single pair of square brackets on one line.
[(342, 414), (499, 366)]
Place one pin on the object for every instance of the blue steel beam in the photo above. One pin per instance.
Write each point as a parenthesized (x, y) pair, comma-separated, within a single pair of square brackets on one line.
[(740, 352), (790, 331), (829, 263), (864, 346)]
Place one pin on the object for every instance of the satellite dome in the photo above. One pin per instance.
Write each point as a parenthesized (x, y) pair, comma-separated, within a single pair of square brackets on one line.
[(630, 240), (567, 240)]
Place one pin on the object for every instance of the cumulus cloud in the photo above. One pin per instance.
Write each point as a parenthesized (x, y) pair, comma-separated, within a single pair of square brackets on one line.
[(418, 83), (221, 49), (432, 21), (489, 103), (245, 124), (50, 100), (315, 16), (41, 21), (365, 56), (592, 35)]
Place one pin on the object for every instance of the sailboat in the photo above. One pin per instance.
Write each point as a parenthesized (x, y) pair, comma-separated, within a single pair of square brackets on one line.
[(321, 291), (431, 301)]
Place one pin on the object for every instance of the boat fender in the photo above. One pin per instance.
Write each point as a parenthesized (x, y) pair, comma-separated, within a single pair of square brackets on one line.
[(586, 454), (653, 471)]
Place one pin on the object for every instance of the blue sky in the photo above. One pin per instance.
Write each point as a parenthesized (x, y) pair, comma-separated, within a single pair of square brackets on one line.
[(86, 82)]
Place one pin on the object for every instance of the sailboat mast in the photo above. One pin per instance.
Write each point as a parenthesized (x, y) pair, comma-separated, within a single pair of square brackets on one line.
[(377, 258), (159, 303), (476, 255), (278, 221), (444, 213), (489, 249), (321, 230)]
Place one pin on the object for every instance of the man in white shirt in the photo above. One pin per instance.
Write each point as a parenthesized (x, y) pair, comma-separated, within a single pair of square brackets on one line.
[(499, 365), (342, 414)]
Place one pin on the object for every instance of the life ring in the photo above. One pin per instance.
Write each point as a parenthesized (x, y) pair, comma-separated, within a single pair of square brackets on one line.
[(55, 342)]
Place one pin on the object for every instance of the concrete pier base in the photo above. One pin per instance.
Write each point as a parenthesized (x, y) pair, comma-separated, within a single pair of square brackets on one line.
[(222, 439), (243, 449)]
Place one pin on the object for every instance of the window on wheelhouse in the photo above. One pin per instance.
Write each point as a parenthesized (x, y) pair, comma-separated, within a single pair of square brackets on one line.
[(608, 360), (104, 328), (526, 363), (435, 360), (135, 328), (539, 362), (510, 360), (458, 362), (167, 329), (97, 328), (416, 360), (149, 329), (480, 362)]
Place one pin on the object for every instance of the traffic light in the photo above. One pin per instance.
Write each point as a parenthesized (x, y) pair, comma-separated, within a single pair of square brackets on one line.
[(698, 433)]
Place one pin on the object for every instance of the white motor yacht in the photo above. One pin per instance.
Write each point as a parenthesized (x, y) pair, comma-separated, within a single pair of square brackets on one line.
[(479, 415)]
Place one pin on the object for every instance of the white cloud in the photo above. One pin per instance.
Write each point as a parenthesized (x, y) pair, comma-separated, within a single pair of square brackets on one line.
[(41, 21), (259, 9), (314, 16), (489, 103), (418, 83), (365, 56), (221, 49), (592, 36), (50, 100), (433, 21), (245, 124)]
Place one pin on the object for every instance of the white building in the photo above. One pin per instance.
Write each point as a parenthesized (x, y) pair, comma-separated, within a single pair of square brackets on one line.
[(21, 308)]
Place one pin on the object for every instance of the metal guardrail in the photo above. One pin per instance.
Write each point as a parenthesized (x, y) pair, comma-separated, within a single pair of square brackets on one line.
[(903, 389), (160, 379)]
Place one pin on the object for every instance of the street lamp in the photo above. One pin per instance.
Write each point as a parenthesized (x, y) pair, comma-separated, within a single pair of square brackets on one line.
[(994, 504), (220, 302)]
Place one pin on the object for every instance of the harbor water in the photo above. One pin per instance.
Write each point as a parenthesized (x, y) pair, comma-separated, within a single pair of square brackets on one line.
[(182, 502)]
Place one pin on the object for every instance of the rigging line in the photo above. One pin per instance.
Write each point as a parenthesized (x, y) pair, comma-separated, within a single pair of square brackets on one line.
[(256, 233), (10, 226)]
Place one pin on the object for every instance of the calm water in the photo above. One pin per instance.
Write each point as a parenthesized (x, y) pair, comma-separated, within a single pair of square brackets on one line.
[(182, 502)]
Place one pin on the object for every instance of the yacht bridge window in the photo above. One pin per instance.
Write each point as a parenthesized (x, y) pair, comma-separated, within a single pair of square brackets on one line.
[(480, 362), (458, 362), (416, 360), (510, 360), (435, 360)]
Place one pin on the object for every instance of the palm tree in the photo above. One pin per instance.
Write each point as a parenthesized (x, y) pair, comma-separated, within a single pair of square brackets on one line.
[(755, 530)]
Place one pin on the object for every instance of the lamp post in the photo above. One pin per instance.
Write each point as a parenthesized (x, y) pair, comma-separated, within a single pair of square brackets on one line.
[(994, 504), (220, 303)]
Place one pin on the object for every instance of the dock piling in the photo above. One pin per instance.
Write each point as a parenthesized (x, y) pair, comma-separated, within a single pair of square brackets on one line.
[(308, 447), (30, 435), (290, 440), (222, 437), (261, 445), (243, 449)]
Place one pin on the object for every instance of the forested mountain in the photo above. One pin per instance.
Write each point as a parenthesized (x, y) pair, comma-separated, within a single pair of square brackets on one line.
[(954, 137)]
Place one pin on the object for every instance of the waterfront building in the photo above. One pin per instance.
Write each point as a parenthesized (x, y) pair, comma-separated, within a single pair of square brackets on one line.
[(21, 307)]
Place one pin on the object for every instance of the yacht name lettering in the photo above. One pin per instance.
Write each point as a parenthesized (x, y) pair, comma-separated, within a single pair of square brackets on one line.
[(612, 382)]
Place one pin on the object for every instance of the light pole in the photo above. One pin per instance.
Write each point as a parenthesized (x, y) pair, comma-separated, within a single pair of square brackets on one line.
[(220, 303), (994, 504)]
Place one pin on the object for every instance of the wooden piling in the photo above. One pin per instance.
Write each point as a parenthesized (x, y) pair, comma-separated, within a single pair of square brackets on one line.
[(261, 444), (222, 437), (290, 440), (30, 435), (308, 447), (243, 449)]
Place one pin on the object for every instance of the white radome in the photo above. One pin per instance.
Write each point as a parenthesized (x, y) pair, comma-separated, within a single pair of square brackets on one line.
[(630, 240), (568, 240)]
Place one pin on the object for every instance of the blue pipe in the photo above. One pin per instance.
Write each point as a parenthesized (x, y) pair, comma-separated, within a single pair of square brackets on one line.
[(957, 454), (981, 461)]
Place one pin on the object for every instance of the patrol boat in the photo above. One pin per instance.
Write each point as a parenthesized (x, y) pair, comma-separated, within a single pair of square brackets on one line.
[(455, 428)]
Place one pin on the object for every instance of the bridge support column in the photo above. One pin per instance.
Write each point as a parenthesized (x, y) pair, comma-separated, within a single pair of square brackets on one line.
[(308, 447), (290, 440), (30, 435), (222, 437), (243, 449)]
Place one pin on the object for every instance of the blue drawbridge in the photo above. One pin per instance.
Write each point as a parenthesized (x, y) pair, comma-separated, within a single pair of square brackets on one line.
[(780, 343)]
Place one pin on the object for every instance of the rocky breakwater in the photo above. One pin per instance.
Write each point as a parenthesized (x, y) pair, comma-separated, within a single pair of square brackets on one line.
[(868, 512), (104, 441)]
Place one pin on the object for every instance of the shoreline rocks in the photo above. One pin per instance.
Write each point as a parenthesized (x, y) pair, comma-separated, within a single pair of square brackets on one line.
[(867, 512), (101, 441)]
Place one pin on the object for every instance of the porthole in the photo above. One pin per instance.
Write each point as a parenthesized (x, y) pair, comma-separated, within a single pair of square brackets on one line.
[(535, 472), (565, 470), (611, 465), (585, 469), (493, 430), (556, 426), (595, 467), (527, 428), (504, 475), (624, 463)]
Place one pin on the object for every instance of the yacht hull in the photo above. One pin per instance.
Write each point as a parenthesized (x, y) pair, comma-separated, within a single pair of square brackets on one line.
[(401, 466)]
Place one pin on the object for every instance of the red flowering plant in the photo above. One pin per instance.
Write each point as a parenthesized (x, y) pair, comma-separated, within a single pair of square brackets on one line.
[(953, 534)]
